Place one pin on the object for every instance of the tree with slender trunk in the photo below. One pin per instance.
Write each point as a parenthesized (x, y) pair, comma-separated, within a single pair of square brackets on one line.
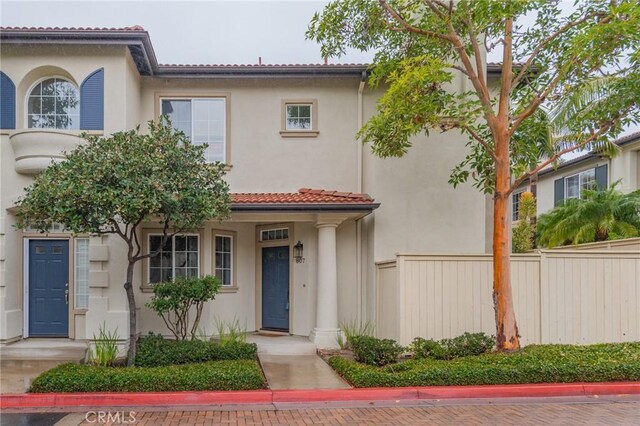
[(112, 185), (421, 46)]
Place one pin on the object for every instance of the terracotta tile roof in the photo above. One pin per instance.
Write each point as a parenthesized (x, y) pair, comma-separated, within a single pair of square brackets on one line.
[(303, 196), (132, 28)]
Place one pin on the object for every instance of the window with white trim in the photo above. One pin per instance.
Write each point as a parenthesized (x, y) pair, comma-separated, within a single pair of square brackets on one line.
[(81, 275), (203, 121), (178, 257), (54, 103), (299, 116), (274, 234), (575, 184), (224, 259)]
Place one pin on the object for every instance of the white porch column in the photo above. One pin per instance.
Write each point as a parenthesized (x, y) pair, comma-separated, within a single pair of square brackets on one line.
[(326, 329)]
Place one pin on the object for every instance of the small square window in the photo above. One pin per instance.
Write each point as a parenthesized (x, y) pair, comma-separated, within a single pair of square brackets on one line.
[(299, 118)]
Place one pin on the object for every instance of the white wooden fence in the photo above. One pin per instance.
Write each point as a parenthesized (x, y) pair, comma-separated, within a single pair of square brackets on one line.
[(560, 296)]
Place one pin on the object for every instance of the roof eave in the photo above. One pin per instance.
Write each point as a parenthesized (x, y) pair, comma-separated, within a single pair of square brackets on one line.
[(139, 42)]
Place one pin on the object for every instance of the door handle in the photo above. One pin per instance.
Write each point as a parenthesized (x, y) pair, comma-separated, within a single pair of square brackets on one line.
[(66, 293)]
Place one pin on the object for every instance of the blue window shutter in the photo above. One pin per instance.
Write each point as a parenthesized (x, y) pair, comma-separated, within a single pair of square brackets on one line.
[(7, 102), (558, 191), (92, 101), (601, 177)]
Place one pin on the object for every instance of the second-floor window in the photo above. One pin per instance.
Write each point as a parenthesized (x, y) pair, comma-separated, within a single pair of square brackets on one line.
[(299, 116), (54, 103), (575, 184), (203, 121)]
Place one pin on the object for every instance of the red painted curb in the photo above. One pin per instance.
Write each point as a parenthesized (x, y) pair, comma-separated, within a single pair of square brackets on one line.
[(313, 395), (358, 394)]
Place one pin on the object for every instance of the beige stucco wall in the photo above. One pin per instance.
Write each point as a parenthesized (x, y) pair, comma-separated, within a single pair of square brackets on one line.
[(262, 160), (25, 65), (419, 210)]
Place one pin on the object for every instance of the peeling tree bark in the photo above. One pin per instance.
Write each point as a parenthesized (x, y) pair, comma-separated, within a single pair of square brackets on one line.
[(507, 338)]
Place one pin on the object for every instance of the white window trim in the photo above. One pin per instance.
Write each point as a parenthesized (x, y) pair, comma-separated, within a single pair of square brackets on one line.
[(284, 228), (215, 251), (579, 174), (299, 104), (173, 255), (299, 133), (191, 99), (28, 95)]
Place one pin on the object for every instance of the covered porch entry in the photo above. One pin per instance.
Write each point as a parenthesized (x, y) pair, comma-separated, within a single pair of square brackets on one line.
[(298, 269)]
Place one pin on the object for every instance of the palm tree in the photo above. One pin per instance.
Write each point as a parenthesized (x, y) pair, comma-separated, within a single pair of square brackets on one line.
[(597, 216)]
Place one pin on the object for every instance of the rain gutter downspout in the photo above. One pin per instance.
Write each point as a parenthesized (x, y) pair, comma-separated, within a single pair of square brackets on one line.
[(359, 189)]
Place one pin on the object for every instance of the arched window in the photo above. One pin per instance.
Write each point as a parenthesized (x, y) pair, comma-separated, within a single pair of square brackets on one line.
[(54, 103)]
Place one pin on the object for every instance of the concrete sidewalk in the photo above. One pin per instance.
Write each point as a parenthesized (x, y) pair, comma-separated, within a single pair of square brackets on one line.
[(299, 372)]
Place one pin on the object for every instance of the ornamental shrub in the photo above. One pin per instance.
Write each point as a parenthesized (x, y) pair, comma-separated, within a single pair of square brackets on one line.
[(218, 375), (154, 350), (373, 351), (173, 300), (524, 231), (534, 364), (467, 344)]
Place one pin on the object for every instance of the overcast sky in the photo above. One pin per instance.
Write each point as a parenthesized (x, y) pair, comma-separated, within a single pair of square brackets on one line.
[(209, 32)]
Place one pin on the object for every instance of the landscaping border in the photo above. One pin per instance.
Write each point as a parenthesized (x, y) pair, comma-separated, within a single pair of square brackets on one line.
[(176, 399)]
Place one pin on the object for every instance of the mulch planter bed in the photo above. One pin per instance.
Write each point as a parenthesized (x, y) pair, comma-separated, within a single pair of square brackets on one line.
[(534, 364), (206, 376)]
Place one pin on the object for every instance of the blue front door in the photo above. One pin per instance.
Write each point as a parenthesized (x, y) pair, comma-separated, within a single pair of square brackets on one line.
[(275, 288), (48, 286)]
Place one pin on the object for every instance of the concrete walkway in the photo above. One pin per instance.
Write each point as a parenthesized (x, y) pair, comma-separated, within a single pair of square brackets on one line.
[(299, 372)]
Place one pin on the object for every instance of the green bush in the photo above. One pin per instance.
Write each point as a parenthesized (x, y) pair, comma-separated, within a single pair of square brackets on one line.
[(467, 344), (354, 328), (218, 375), (154, 350), (534, 364), (373, 351), (174, 300)]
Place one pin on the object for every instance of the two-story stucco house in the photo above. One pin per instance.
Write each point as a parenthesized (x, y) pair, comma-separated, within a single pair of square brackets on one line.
[(312, 212)]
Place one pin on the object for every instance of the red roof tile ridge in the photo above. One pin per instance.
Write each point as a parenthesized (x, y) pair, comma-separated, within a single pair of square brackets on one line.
[(303, 196)]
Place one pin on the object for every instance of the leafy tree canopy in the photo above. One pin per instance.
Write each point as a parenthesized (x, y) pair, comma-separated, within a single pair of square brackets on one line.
[(421, 45), (112, 184)]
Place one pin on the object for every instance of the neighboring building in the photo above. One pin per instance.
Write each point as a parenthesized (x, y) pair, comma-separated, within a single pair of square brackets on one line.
[(279, 128), (568, 179)]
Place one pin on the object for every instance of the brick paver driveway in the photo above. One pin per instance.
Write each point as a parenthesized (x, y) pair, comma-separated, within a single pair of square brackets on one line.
[(497, 412)]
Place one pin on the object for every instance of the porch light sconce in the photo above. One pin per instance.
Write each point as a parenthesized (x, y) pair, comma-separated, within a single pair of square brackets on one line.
[(297, 252)]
